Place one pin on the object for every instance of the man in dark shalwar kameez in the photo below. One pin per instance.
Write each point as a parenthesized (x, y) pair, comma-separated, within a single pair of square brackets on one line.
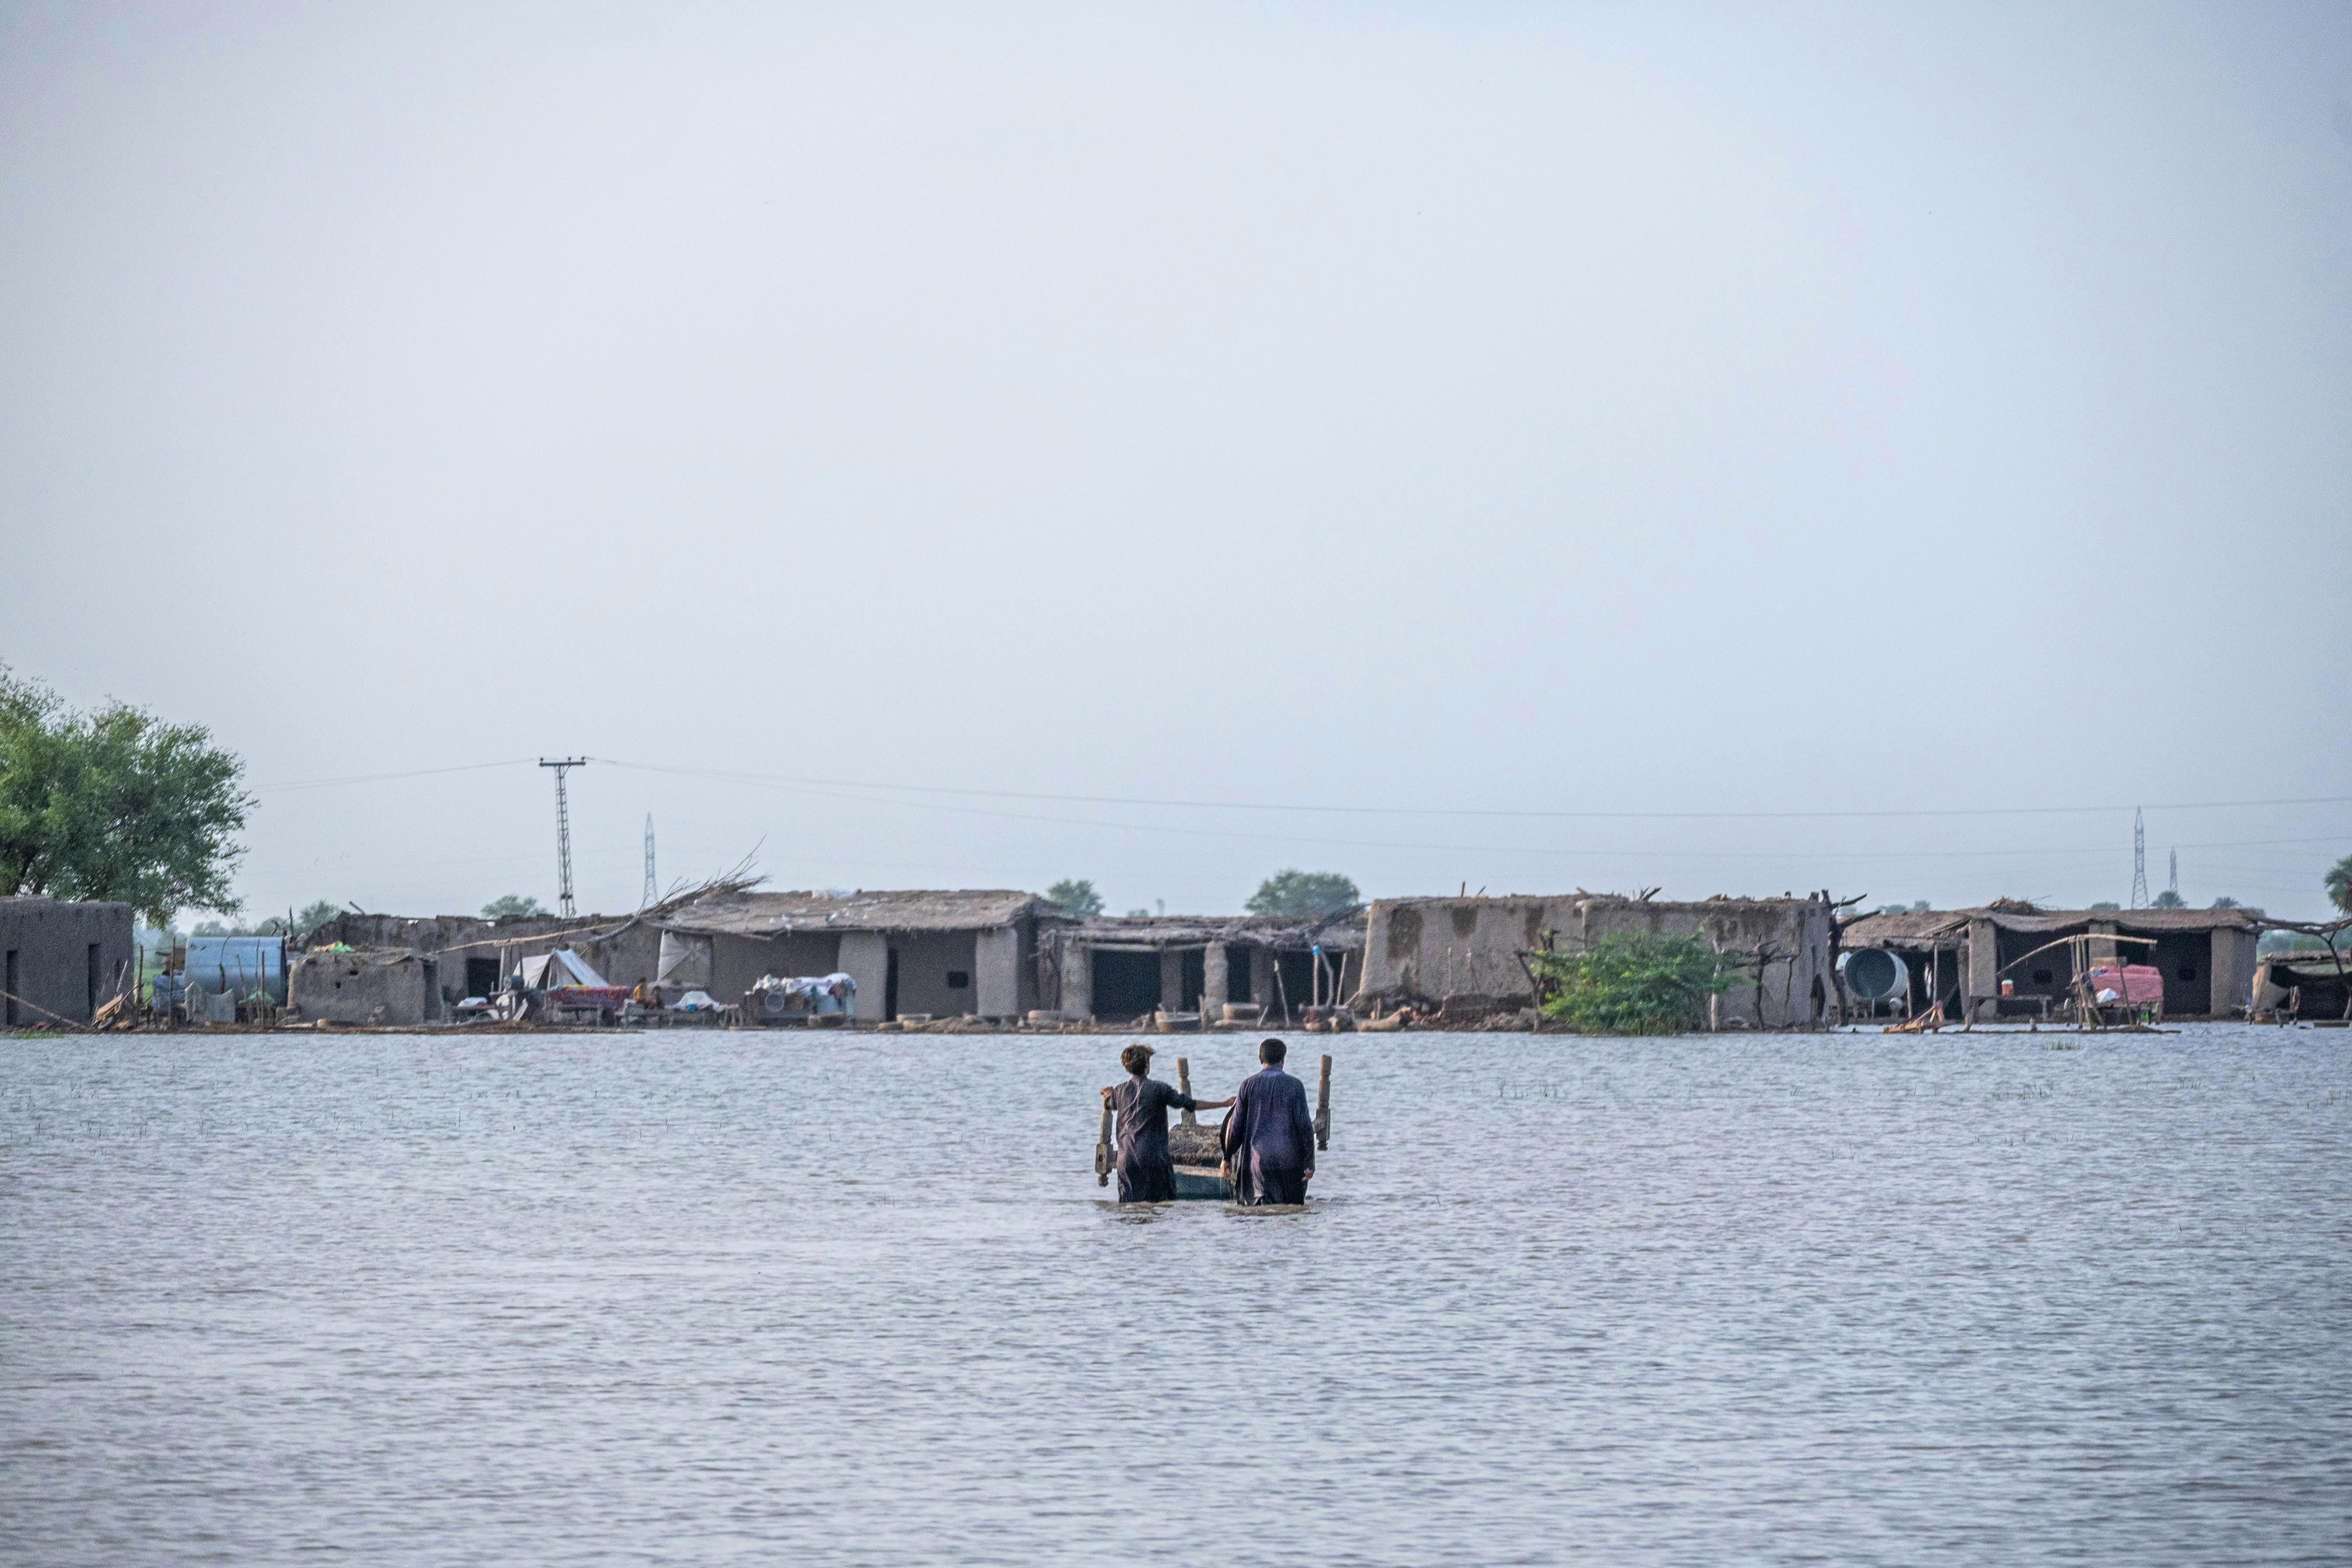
[(1146, 1174), (1270, 1137)]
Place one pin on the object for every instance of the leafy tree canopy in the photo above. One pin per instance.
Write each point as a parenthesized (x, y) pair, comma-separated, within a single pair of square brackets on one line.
[(512, 904), (1632, 984), (1075, 894), (115, 805), (2168, 899), (2106, 904), (2339, 883), (1312, 893), (2226, 902)]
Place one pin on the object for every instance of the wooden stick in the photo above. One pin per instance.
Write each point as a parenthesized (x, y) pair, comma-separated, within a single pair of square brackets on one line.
[(1102, 1147), (1323, 1105), (1184, 1088)]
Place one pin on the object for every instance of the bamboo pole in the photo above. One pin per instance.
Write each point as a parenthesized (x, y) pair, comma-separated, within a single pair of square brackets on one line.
[(1184, 1088)]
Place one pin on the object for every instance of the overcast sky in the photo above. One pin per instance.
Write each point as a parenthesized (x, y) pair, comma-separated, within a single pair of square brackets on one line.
[(1424, 411)]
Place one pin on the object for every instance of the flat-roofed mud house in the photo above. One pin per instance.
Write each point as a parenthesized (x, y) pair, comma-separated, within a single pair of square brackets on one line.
[(1463, 954), (1960, 957), (410, 970), (1120, 967), (59, 961), (935, 953)]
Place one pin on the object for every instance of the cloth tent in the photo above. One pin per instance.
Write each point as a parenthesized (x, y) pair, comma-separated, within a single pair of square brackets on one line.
[(554, 971)]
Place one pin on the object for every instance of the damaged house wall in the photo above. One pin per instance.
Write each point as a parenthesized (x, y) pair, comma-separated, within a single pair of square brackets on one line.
[(1123, 967), (1462, 953), (60, 961), (623, 949), (2206, 956), (388, 987), (943, 952)]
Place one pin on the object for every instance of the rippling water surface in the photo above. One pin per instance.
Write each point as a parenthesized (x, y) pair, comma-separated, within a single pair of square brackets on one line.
[(701, 1296)]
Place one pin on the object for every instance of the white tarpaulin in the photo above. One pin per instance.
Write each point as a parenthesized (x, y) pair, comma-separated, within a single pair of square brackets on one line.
[(685, 961), (553, 971)]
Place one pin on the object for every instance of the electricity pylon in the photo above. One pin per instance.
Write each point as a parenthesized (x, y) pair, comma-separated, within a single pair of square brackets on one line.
[(647, 899), (564, 831), (2139, 862)]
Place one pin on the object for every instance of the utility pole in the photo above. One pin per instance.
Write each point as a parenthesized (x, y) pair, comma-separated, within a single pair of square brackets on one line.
[(647, 899), (2139, 862), (564, 831)]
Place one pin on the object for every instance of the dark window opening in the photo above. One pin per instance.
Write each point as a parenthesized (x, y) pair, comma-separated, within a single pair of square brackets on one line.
[(2186, 971), (2042, 977), (1127, 984), (1821, 997), (481, 976), (959, 979), (890, 986), (1194, 982)]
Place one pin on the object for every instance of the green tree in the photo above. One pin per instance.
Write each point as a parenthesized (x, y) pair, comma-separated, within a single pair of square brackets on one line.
[(1292, 892), (1076, 895), (2226, 902), (2168, 899), (2106, 904), (115, 805), (2339, 883), (512, 904), (1632, 984), (315, 915)]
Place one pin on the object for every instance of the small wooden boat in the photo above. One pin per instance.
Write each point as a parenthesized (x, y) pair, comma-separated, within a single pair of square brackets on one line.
[(1198, 1151)]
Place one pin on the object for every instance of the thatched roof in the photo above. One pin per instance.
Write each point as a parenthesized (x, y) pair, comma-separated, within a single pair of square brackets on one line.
[(1925, 928), (765, 914), (1343, 932)]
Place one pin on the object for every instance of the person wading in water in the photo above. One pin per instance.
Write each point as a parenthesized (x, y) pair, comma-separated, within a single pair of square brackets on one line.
[(1270, 1140), (1146, 1175)]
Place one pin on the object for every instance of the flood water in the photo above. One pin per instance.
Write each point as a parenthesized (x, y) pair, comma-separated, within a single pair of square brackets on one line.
[(816, 1296)]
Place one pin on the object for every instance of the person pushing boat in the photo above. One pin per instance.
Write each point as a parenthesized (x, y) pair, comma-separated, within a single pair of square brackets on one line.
[(1146, 1174), (1270, 1140)]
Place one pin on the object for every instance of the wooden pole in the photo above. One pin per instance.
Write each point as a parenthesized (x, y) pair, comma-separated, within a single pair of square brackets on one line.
[(1323, 1105), (1102, 1147), (1185, 1087)]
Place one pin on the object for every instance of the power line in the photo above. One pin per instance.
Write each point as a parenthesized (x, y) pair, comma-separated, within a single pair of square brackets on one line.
[(725, 775), (734, 777)]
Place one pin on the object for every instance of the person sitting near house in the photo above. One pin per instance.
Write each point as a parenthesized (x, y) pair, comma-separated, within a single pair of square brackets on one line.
[(1146, 1174), (1270, 1137)]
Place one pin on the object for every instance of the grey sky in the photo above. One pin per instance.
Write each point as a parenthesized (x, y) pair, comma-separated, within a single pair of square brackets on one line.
[(1517, 408)]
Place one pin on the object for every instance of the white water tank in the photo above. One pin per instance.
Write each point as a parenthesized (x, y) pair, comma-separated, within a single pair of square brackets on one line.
[(1874, 974)]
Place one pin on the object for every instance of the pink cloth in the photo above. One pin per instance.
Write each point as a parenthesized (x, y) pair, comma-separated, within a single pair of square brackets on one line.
[(2136, 981)]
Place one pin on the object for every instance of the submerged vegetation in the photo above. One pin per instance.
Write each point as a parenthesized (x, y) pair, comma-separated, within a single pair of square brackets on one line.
[(1632, 984)]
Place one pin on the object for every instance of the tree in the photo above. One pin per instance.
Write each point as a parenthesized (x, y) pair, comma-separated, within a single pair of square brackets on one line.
[(315, 915), (512, 904), (1294, 892), (2226, 902), (1632, 984), (115, 805), (2106, 904), (2168, 899), (2339, 883), (1076, 895)]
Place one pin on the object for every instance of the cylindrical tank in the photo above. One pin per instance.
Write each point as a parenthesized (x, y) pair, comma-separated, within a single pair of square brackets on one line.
[(1874, 974)]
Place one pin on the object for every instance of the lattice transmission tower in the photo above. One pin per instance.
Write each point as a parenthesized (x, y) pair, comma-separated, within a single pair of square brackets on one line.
[(2174, 883), (2139, 862), (646, 899), (564, 831)]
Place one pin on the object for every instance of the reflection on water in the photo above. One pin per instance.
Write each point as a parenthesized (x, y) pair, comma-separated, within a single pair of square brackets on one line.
[(703, 1296)]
